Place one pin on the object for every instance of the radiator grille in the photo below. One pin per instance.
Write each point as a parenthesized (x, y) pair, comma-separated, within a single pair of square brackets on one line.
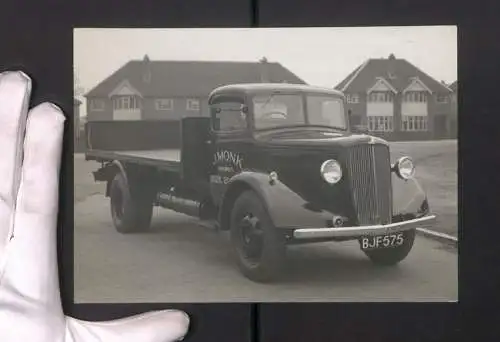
[(370, 181)]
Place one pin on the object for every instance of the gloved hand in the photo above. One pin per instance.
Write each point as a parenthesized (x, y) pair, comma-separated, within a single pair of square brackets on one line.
[(30, 306)]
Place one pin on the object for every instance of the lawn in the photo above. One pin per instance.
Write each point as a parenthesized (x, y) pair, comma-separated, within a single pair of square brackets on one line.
[(436, 169)]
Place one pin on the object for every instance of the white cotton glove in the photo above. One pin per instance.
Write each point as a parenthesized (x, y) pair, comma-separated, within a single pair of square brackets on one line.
[(30, 305)]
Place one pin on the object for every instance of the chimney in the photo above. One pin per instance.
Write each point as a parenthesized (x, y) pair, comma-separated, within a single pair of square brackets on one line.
[(147, 71), (392, 57), (264, 71)]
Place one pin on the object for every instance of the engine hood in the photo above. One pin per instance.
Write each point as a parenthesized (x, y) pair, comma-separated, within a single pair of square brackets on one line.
[(316, 139)]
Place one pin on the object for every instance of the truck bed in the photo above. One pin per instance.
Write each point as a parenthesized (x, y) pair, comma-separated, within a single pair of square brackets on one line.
[(166, 159), (156, 143)]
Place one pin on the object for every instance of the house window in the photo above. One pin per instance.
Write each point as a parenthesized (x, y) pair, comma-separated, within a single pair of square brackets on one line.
[(126, 103), (380, 123), (414, 123), (352, 98), (164, 104), (415, 96), (441, 99), (97, 105), (193, 105), (380, 96)]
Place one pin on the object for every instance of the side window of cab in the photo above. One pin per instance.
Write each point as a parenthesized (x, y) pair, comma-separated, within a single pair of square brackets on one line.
[(228, 114)]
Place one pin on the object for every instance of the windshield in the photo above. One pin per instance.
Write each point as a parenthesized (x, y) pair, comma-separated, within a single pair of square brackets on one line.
[(287, 110)]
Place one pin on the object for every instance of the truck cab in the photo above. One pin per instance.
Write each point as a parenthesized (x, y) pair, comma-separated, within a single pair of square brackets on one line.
[(250, 121)]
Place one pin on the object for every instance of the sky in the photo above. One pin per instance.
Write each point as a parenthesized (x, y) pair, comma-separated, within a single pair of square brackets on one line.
[(320, 56)]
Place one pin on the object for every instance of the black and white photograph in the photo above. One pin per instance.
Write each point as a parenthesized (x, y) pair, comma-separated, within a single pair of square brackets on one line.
[(225, 165)]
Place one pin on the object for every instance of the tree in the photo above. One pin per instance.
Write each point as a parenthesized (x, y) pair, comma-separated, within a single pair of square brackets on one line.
[(78, 90)]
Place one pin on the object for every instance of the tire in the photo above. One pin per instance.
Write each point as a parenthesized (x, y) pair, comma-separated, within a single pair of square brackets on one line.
[(260, 260), (131, 213), (394, 255)]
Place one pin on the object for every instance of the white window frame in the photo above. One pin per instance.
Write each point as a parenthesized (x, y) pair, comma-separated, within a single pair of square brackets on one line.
[(415, 97), (378, 123), (352, 98), (126, 102), (193, 105), (164, 104), (414, 123), (95, 108), (381, 97)]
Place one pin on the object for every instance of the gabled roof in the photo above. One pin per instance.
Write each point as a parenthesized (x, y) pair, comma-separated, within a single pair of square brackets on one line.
[(416, 83), (189, 78), (380, 81), (398, 72)]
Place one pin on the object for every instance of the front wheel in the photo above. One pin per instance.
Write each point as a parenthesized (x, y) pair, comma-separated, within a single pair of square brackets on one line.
[(392, 255), (259, 247)]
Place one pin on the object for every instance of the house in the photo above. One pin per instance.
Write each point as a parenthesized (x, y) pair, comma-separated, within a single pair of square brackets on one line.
[(397, 101), (155, 90)]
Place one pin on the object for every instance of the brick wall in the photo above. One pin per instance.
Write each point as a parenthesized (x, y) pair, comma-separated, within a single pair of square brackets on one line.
[(149, 111), (445, 109), (105, 114)]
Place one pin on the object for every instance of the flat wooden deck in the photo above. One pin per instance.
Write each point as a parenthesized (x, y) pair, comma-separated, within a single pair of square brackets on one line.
[(169, 159)]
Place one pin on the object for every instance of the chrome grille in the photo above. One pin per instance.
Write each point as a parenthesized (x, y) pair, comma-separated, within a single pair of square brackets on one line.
[(370, 181)]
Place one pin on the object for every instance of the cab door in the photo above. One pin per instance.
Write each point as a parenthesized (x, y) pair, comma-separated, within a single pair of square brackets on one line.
[(195, 152), (230, 141)]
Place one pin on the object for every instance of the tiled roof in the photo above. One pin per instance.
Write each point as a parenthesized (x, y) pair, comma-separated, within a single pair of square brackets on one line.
[(398, 72), (453, 86), (189, 78)]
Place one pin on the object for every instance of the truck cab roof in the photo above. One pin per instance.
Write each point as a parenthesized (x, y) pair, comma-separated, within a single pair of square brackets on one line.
[(254, 88)]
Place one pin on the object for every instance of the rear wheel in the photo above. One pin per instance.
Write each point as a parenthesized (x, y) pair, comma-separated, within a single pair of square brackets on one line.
[(393, 255), (259, 247), (131, 211)]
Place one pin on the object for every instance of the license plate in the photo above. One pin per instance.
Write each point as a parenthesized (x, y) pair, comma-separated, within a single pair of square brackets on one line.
[(382, 241)]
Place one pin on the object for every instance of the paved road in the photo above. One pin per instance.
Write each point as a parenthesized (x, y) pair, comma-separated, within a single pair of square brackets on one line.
[(181, 261)]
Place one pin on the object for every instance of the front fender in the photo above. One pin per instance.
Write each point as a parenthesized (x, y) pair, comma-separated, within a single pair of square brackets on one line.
[(108, 172), (408, 197), (285, 207)]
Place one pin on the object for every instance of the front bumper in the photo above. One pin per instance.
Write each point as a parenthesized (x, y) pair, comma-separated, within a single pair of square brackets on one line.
[(360, 231)]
